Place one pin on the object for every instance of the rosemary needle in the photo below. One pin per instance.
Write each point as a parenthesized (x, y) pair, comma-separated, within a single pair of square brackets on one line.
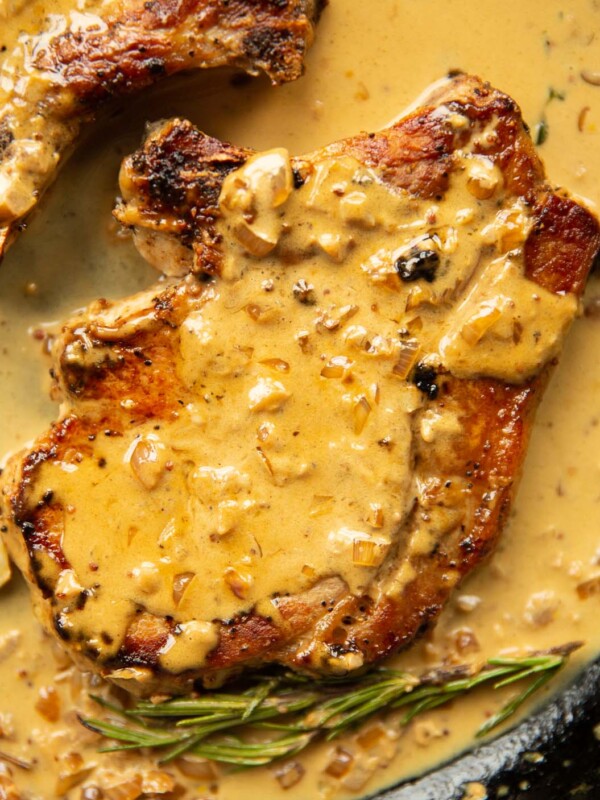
[(286, 713)]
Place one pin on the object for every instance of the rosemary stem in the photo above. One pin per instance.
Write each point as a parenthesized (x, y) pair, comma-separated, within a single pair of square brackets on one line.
[(297, 712)]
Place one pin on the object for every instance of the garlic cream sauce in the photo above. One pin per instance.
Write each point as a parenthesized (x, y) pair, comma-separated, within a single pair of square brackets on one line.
[(368, 63)]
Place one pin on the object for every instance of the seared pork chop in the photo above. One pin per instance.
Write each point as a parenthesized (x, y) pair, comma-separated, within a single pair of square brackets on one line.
[(293, 452), (55, 79)]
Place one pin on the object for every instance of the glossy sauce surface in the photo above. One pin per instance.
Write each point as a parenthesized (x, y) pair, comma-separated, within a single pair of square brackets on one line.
[(366, 66)]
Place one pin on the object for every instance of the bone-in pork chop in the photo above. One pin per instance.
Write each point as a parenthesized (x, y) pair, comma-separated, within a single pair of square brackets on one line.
[(56, 79), (294, 448)]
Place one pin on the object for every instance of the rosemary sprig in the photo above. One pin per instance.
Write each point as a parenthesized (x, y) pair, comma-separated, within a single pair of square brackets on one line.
[(284, 714)]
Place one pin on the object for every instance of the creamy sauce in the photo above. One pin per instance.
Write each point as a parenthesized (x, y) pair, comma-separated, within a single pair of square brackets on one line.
[(527, 596)]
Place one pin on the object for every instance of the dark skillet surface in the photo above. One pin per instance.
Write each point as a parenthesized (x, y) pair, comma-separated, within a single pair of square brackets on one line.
[(561, 733)]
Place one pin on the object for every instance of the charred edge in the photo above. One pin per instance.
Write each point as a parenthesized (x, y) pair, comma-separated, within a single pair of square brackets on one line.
[(77, 377), (61, 629), (272, 48), (338, 650), (156, 67), (38, 538), (490, 102), (31, 464), (162, 164)]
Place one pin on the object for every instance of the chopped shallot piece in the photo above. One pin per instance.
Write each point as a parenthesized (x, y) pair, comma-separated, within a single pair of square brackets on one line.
[(371, 737), (337, 367), (589, 588), (407, 358), (415, 324), (258, 243), (417, 296), (239, 583), (48, 704), (375, 393), (289, 774), (332, 320), (277, 364), (369, 552), (335, 245), (156, 782), (321, 504), (375, 516), (128, 790), (146, 462), (362, 409), (480, 323), (340, 764), (72, 771), (180, 584)]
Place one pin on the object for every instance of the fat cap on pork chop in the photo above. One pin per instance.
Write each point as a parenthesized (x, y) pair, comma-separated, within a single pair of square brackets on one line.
[(293, 449), (56, 79)]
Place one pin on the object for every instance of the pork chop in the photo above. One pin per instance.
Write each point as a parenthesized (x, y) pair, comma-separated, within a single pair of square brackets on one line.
[(293, 451), (56, 79)]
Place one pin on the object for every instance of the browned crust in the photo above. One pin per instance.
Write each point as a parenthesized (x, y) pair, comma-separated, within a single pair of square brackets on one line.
[(416, 155), (145, 637), (498, 419), (148, 40), (564, 239), (143, 361)]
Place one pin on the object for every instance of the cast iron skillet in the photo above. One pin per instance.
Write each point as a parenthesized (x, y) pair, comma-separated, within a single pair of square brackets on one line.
[(553, 755)]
